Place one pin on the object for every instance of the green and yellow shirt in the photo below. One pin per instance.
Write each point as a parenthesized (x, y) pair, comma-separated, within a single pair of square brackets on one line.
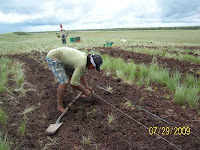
[(72, 59)]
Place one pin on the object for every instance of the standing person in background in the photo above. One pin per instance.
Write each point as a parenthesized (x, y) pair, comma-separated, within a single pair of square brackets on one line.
[(63, 34)]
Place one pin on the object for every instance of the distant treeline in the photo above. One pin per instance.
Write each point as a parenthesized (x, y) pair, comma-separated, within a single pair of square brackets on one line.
[(126, 29), (21, 33), (147, 28)]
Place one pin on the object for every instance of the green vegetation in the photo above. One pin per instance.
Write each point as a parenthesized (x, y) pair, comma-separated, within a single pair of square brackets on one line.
[(11, 71), (44, 41), (147, 28), (4, 65), (145, 75), (183, 57), (128, 105), (179, 96), (12, 82), (29, 110), (87, 140), (109, 89), (22, 128), (91, 114), (4, 143), (3, 116), (110, 118), (21, 33)]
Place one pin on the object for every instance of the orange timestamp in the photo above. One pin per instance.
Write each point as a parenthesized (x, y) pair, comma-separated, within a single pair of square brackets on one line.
[(169, 130)]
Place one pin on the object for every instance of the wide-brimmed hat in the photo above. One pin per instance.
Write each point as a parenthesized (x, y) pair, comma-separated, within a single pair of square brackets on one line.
[(96, 60)]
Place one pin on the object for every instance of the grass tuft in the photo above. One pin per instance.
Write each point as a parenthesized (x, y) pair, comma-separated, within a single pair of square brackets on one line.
[(179, 96), (110, 118), (3, 116), (192, 97), (22, 128), (4, 143), (87, 140), (29, 109)]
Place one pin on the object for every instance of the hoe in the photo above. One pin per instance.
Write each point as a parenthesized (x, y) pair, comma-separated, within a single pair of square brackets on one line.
[(54, 127)]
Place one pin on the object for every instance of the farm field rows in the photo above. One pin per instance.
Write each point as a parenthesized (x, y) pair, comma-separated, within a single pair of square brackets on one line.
[(95, 124), (89, 118), (172, 64)]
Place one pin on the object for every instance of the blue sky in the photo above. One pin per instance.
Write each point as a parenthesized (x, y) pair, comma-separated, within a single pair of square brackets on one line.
[(46, 15)]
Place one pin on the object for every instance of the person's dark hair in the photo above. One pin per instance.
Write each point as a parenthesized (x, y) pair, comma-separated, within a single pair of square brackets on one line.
[(88, 60), (94, 59)]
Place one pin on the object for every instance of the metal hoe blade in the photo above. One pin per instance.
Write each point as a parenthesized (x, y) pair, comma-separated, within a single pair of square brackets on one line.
[(52, 128)]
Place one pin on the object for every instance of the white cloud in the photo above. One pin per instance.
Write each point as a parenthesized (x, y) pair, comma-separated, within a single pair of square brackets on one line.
[(84, 14), (12, 18), (41, 28)]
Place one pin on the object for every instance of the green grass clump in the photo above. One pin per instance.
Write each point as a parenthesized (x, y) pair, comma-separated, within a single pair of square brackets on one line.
[(13, 71), (189, 58), (192, 97), (190, 80), (179, 96), (184, 94), (128, 105), (22, 128), (19, 74), (174, 81), (3, 83), (91, 114), (110, 118), (4, 143), (130, 72), (87, 140), (159, 75), (5, 65), (3, 116)]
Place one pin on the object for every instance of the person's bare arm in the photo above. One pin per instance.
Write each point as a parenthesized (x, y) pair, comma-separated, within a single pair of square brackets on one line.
[(82, 89), (84, 82)]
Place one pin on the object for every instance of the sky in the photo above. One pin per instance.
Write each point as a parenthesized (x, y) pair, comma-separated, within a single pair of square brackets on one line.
[(47, 15)]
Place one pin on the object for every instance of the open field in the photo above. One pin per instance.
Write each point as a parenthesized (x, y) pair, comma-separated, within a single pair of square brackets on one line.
[(14, 43), (168, 87)]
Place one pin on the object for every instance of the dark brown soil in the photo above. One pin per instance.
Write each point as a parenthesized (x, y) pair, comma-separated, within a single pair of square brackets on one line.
[(172, 64), (165, 48), (89, 117)]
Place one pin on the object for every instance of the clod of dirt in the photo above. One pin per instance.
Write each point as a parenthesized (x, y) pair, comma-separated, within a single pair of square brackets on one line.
[(119, 80)]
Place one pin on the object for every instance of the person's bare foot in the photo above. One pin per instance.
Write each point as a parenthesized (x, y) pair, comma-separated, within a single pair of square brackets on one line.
[(61, 109)]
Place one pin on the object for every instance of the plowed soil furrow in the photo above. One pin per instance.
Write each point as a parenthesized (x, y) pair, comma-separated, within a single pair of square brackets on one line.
[(166, 49), (172, 64), (89, 117)]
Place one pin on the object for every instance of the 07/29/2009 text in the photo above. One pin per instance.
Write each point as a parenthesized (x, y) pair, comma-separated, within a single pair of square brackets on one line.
[(169, 130)]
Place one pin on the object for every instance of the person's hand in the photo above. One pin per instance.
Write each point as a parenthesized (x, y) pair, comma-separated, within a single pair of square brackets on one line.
[(86, 93), (89, 88)]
